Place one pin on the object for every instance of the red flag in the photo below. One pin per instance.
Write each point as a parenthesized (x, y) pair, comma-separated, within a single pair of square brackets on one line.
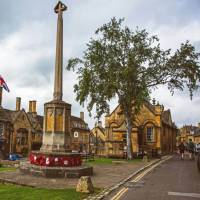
[(3, 84)]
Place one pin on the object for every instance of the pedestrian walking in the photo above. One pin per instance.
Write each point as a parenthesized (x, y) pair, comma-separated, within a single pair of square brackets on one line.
[(191, 148), (181, 150)]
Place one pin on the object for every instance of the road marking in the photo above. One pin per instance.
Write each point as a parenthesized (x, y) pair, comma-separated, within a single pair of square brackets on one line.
[(139, 177), (120, 193), (195, 195)]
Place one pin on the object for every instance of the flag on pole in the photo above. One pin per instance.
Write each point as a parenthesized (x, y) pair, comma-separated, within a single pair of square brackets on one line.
[(3, 84)]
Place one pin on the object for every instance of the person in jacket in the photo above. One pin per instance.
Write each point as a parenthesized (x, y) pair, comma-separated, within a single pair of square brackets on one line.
[(191, 148), (181, 150)]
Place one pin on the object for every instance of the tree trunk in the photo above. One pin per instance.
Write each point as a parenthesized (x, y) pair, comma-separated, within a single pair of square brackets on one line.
[(128, 136)]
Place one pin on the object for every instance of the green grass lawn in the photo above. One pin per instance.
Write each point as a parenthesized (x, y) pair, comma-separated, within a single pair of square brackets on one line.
[(7, 169), (13, 192), (97, 161)]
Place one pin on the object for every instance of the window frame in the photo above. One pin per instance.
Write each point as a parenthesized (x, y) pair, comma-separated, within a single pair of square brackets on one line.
[(152, 137)]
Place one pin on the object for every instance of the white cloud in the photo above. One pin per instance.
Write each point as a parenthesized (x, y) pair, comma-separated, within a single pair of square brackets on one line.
[(20, 53)]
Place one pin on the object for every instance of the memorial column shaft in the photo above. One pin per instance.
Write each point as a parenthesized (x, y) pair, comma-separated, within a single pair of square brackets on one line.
[(59, 60)]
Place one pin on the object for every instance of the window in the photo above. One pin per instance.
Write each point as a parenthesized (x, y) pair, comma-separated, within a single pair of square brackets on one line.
[(76, 134), (22, 137), (150, 135)]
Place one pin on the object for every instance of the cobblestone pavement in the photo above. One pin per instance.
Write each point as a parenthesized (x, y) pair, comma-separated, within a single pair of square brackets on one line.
[(105, 175)]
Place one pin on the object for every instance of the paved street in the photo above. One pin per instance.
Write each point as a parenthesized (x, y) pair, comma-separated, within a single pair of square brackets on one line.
[(173, 179)]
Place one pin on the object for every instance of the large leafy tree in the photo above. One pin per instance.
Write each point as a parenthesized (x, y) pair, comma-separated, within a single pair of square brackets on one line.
[(128, 65)]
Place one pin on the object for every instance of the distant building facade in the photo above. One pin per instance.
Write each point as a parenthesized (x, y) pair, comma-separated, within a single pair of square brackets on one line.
[(20, 131), (80, 134), (188, 132)]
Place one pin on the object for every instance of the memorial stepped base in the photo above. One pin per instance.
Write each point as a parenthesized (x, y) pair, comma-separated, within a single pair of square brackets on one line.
[(55, 172)]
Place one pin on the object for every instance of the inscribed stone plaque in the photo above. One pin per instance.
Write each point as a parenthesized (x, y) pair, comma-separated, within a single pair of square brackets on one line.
[(49, 122), (59, 119)]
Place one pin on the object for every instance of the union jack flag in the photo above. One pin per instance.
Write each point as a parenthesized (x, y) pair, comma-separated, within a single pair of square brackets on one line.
[(3, 84)]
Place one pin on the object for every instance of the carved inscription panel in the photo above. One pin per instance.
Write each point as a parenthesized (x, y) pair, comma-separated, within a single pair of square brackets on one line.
[(59, 119), (49, 119)]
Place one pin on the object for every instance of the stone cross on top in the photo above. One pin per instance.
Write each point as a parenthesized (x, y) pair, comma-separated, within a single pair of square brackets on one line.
[(60, 7)]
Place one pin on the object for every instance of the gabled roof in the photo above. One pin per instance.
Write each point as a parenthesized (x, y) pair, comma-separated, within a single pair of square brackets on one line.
[(100, 128), (4, 116), (15, 115), (12, 116), (36, 120), (146, 103), (73, 118), (150, 106), (101, 136), (166, 117), (79, 121)]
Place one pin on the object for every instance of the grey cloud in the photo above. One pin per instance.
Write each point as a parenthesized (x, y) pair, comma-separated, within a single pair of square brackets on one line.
[(29, 66)]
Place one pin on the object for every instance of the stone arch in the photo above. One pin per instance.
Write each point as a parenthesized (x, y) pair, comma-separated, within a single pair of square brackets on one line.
[(150, 121), (150, 125), (113, 124), (22, 140)]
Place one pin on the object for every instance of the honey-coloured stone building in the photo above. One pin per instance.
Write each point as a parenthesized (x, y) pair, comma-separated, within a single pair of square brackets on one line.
[(153, 132)]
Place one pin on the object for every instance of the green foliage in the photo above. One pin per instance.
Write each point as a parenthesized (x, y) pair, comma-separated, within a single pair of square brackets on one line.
[(26, 193), (128, 65), (105, 161), (7, 169)]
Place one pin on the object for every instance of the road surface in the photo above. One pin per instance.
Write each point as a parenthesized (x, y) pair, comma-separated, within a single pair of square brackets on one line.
[(174, 179)]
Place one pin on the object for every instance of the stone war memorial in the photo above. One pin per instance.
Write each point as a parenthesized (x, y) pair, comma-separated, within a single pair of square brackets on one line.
[(55, 158)]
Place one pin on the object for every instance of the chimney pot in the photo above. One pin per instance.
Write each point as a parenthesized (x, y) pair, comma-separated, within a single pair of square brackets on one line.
[(18, 103), (30, 106), (34, 106), (82, 115)]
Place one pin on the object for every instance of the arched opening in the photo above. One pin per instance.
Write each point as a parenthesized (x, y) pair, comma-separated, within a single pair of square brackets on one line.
[(22, 141)]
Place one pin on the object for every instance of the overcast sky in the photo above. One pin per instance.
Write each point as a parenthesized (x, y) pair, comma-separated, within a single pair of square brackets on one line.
[(27, 45)]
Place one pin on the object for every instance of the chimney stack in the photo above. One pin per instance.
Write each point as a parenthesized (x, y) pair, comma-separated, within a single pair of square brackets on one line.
[(34, 106), (18, 103), (1, 91), (30, 107), (82, 115)]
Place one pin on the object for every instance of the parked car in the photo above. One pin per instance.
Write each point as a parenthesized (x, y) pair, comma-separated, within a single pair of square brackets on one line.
[(14, 157)]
